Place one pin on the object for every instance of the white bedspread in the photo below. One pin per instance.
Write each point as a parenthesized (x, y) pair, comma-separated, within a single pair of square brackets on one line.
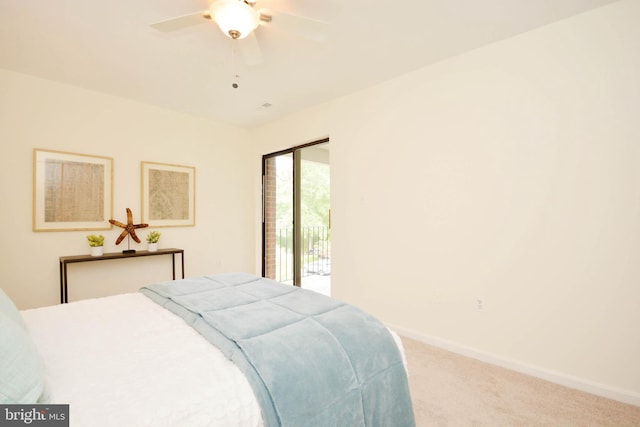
[(126, 361)]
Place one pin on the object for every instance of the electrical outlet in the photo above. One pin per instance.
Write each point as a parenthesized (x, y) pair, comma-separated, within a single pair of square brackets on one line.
[(480, 304)]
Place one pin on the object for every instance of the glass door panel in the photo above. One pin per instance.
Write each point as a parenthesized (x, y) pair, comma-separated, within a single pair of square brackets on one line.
[(296, 217), (315, 236), (278, 223)]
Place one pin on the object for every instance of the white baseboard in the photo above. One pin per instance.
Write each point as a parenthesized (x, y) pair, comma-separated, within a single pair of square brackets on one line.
[(625, 396)]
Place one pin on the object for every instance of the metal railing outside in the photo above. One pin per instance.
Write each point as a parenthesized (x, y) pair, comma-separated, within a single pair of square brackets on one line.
[(316, 255)]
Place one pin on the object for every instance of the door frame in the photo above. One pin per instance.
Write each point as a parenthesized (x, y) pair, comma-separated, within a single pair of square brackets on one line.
[(297, 237)]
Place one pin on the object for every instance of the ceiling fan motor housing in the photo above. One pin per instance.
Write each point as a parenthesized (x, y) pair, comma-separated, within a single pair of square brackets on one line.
[(236, 18)]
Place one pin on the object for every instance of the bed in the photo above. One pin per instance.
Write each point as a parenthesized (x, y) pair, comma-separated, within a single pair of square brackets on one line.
[(221, 350)]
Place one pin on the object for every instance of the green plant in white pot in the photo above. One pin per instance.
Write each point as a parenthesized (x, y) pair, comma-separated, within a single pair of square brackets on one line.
[(96, 243), (152, 240)]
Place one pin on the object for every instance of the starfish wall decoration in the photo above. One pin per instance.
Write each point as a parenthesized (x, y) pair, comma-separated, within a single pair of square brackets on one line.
[(129, 228)]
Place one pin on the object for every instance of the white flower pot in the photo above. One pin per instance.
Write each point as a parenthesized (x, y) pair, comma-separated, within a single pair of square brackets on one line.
[(153, 247), (97, 250)]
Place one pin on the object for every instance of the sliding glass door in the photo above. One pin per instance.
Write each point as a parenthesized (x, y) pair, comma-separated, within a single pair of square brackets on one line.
[(296, 217)]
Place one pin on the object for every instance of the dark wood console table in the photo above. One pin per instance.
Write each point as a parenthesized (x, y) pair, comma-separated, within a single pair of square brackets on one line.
[(64, 260)]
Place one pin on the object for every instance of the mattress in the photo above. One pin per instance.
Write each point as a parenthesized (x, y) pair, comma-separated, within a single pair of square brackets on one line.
[(159, 373)]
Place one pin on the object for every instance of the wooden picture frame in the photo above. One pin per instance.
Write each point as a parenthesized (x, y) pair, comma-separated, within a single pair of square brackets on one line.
[(168, 195), (71, 191)]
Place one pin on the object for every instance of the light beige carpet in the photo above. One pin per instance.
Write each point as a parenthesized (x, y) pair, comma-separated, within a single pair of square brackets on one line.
[(451, 390)]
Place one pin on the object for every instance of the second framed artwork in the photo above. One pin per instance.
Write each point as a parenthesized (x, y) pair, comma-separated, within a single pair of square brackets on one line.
[(168, 195)]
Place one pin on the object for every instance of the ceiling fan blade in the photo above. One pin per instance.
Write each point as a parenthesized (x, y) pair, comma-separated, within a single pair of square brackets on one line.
[(250, 50), (180, 22), (304, 27)]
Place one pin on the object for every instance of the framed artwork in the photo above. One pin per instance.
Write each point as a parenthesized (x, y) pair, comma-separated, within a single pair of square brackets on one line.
[(168, 195), (71, 191)]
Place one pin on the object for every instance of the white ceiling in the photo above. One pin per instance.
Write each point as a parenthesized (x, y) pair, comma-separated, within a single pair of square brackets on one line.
[(109, 46)]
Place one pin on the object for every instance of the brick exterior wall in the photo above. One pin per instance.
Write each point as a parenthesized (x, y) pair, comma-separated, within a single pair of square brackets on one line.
[(270, 217)]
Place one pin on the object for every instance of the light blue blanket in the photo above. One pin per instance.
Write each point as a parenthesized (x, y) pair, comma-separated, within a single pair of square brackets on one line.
[(311, 360)]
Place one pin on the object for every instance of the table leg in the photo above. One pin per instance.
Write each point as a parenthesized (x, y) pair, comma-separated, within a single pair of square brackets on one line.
[(64, 281), (61, 286), (182, 258)]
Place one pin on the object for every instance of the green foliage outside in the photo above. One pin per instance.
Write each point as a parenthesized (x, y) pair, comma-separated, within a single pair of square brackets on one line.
[(315, 201)]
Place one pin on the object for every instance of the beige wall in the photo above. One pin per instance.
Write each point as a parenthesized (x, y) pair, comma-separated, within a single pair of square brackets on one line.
[(511, 174), (36, 113)]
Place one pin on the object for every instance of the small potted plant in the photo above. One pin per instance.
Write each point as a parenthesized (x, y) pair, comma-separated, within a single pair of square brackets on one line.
[(96, 242), (152, 240)]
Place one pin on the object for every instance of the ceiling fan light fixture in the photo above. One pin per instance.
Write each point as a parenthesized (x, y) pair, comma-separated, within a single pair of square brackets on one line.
[(235, 18)]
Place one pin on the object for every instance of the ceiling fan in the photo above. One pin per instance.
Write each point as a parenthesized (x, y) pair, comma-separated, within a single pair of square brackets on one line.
[(238, 20)]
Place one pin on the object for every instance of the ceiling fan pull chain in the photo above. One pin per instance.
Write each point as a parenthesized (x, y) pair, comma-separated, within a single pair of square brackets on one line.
[(234, 83)]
